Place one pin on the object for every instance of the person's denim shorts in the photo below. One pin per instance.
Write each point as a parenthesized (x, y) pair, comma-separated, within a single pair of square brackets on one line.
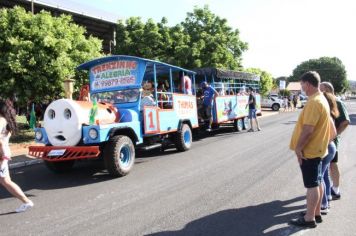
[(252, 113), (311, 171), (336, 157)]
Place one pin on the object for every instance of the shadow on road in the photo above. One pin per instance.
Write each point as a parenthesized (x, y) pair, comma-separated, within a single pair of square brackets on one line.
[(83, 173), (39, 177), (263, 219)]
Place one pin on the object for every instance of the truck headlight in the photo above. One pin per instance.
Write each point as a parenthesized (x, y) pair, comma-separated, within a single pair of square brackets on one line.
[(93, 133), (38, 135)]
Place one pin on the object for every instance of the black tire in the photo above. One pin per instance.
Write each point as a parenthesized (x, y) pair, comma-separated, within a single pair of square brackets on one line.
[(275, 107), (238, 125), (60, 166), (119, 155), (184, 138)]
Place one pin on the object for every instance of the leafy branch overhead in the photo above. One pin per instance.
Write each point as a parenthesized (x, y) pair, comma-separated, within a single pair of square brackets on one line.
[(202, 40), (38, 52)]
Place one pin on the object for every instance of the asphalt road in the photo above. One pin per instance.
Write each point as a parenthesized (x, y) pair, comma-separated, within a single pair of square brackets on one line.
[(229, 184)]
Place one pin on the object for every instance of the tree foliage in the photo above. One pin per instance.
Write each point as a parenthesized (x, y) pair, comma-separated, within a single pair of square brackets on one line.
[(212, 42), (38, 52), (331, 69), (202, 40), (266, 80)]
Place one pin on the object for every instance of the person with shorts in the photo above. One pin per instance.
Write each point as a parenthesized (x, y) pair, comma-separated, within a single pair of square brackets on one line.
[(310, 139), (7, 127), (325, 164), (252, 110), (209, 94), (341, 123)]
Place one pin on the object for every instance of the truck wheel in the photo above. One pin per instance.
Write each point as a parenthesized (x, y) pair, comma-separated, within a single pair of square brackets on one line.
[(246, 123), (238, 125), (275, 107), (119, 155), (183, 140), (60, 166)]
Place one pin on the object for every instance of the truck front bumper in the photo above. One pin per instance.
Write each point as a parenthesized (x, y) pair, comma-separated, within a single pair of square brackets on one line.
[(65, 153)]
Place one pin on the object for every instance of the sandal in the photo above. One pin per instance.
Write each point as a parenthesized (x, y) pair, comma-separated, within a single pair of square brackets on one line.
[(301, 222), (318, 219)]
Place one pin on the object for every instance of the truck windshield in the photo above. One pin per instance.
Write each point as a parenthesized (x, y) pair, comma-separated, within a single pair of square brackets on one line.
[(117, 97)]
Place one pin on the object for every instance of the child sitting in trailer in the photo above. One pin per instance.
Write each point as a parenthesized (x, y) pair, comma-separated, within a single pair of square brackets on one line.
[(147, 96), (163, 99)]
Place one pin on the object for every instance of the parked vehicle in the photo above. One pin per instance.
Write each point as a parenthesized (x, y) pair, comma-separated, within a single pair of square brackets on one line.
[(303, 100), (272, 102), (126, 112)]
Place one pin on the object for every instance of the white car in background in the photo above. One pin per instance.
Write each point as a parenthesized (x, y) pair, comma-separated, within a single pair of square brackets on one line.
[(272, 101), (302, 99)]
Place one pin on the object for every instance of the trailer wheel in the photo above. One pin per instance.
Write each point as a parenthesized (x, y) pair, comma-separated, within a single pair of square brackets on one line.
[(119, 155), (238, 126), (184, 138), (60, 166)]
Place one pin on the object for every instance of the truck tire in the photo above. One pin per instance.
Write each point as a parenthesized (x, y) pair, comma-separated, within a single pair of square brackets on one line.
[(184, 138), (238, 126), (119, 155), (60, 166), (275, 107)]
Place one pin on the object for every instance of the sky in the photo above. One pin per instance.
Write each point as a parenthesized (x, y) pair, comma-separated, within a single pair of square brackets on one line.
[(281, 34)]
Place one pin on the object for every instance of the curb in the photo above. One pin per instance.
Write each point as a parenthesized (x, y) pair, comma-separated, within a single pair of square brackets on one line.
[(24, 163)]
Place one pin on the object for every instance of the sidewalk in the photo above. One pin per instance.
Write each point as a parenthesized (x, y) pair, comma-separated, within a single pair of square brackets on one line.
[(19, 155)]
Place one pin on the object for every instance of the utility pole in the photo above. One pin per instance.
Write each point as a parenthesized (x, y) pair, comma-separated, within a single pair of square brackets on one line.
[(32, 7)]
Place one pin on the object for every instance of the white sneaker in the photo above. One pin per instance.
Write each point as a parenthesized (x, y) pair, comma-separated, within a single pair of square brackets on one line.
[(25, 207)]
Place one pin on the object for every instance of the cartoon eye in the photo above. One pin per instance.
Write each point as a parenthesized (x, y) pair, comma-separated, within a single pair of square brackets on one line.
[(67, 114), (51, 114)]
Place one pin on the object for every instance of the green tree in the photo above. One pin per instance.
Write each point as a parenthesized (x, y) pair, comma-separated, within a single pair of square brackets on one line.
[(202, 40), (266, 80), (331, 69), (212, 42), (38, 52), (133, 37)]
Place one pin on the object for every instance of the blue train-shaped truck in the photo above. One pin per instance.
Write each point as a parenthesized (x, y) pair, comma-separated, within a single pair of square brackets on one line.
[(136, 103)]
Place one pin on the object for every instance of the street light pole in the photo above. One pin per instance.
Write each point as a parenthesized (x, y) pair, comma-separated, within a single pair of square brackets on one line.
[(32, 7)]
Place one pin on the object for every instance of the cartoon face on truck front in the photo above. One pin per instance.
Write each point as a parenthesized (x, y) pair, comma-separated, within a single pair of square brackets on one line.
[(63, 122), (64, 118)]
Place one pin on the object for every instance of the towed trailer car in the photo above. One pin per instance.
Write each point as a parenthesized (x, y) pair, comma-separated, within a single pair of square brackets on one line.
[(230, 106)]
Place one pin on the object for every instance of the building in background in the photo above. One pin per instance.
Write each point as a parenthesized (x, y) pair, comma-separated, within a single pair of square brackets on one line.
[(294, 87)]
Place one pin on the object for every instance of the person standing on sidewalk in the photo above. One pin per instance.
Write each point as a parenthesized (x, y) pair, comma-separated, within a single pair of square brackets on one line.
[(7, 127), (310, 140), (341, 124), (325, 163), (252, 110)]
